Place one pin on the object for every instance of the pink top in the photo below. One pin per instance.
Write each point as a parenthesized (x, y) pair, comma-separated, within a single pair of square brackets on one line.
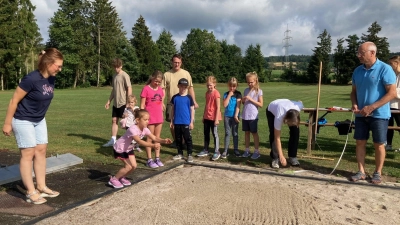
[(153, 103), (123, 144), (211, 107)]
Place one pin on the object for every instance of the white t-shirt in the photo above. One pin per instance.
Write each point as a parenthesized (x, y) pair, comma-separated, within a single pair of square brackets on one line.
[(279, 108)]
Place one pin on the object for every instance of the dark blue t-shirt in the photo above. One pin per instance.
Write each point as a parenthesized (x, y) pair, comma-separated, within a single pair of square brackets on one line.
[(182, 106), (34, 105)]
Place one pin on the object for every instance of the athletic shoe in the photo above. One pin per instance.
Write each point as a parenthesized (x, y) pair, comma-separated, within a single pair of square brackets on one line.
[(224, 155), (115, 183), (177, 157), (237, 153), (255, 155), (125, 181), (294, 161), (216, 156), (190, 158), (138, 149), (110, 143), (202, 153), (275, 163), (151, 164), (246, 154), (158, 162)]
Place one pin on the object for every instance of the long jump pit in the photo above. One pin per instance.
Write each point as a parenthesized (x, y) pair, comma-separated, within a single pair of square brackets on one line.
[(208, 193)]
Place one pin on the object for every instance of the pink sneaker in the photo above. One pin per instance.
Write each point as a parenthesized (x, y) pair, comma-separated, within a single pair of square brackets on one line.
[(115, 183), (125, 181)]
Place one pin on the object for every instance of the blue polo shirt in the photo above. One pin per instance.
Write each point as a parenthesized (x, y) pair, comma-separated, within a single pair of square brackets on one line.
[(370, 86), (34, 105)]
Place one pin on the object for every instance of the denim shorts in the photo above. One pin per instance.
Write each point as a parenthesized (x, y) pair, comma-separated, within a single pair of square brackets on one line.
[(250, 125), (29, 134), (378, 127)]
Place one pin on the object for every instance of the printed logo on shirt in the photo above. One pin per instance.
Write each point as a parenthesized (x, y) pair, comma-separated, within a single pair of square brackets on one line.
[(156, 98), (47, 89)]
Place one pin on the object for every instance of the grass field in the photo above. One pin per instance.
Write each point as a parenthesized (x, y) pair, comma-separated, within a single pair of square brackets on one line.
[(79, 124)]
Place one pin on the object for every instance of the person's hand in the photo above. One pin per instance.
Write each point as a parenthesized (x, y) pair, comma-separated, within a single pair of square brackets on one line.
[(156, 146), (237, 119), (230, 93), (107, 106), (191, 126), (367, 110), (171, 125), (7, 128), (167, 141), (283, 161), (196, 106), (216, 122), (245, 98), (163, 107)]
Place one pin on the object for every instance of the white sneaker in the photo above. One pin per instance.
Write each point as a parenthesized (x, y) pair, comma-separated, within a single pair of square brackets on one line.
[(110, 143), (275, 163)]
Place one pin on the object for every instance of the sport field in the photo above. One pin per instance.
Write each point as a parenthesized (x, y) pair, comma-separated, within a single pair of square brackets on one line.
[(79, 124)]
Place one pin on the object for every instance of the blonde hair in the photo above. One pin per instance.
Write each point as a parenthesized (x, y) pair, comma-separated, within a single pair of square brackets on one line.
[(254, 75), (211, 79), (156, 74), (131, 98), (233, 82), (48, 57), (395, 58)]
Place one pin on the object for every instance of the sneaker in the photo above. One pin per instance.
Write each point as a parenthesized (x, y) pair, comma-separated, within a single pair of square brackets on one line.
[(177, 157), (138, 149), (125, 181), (190, 158), (110, 143), (237, 153), (216, 156), (293, 161), (115, 183), (202, 153), (246, 154), (158, 162), (275, 163), (388, 148), (255, 155), (151, 164), (224, 155)]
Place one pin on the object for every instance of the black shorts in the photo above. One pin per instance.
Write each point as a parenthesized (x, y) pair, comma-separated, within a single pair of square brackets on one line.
[(123, 155), (118, 112)]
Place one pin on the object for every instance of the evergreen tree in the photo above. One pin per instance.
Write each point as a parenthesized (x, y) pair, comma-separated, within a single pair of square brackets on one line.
[(146, 50), (338, 58), (167, 49), (107, 33), (201, 54), (230, 61), (128, 56), (350, 59), (321, 54), (381, 42), (253, 61), (70, 32)]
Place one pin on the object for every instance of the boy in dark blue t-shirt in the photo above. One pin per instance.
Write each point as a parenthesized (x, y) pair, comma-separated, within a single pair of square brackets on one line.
[(182, 116)]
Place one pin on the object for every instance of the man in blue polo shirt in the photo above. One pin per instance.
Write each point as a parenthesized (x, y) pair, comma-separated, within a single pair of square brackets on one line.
[(373, 86)]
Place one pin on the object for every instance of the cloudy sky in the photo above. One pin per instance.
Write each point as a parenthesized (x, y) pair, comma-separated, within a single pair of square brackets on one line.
[(245, 22)]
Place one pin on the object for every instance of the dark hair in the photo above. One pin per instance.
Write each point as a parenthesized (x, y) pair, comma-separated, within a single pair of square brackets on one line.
[(117, 63), (292, 117), (156, 74), (176, 56), (395, 58), (140, 113), (48, 57)]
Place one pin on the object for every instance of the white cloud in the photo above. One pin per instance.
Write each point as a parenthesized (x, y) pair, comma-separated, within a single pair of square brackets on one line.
[(254, 21)]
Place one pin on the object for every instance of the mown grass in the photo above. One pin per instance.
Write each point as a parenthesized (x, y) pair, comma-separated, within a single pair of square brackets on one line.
[(79, 124)]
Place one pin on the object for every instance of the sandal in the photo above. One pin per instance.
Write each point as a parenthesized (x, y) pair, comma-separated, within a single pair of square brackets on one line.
[(358, 176), (37, 201), (376, 178), (46, 192)]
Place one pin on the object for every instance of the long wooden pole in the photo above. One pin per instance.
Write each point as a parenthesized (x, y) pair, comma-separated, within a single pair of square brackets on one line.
[(318, 97)]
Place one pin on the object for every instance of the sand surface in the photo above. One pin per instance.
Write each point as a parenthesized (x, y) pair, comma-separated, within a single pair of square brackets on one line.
[(203, 195)]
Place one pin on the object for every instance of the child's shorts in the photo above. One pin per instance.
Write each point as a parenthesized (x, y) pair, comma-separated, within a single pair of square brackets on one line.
[(250, 125), (123, 155)]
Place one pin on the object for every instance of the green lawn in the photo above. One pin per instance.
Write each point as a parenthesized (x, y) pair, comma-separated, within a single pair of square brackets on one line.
[(79, 124)]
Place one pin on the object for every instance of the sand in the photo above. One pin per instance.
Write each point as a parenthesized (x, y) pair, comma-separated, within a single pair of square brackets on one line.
[(204, 195)]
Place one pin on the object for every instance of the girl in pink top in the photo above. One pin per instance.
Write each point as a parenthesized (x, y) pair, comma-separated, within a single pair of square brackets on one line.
[(152, 100), (123, 148), (211, 117)]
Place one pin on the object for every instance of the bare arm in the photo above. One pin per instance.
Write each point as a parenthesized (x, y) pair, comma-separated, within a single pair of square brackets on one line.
[(278, 144), (159, 140), (191, 93), (191, 125), (237, 110), (142, 103), (171, 124), (217, 110), (228, 97), (353, 98), (107, 106), (19, 94), (128, 92)]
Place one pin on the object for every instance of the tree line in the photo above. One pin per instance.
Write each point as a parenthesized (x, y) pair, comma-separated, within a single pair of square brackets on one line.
[(90, 35)]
